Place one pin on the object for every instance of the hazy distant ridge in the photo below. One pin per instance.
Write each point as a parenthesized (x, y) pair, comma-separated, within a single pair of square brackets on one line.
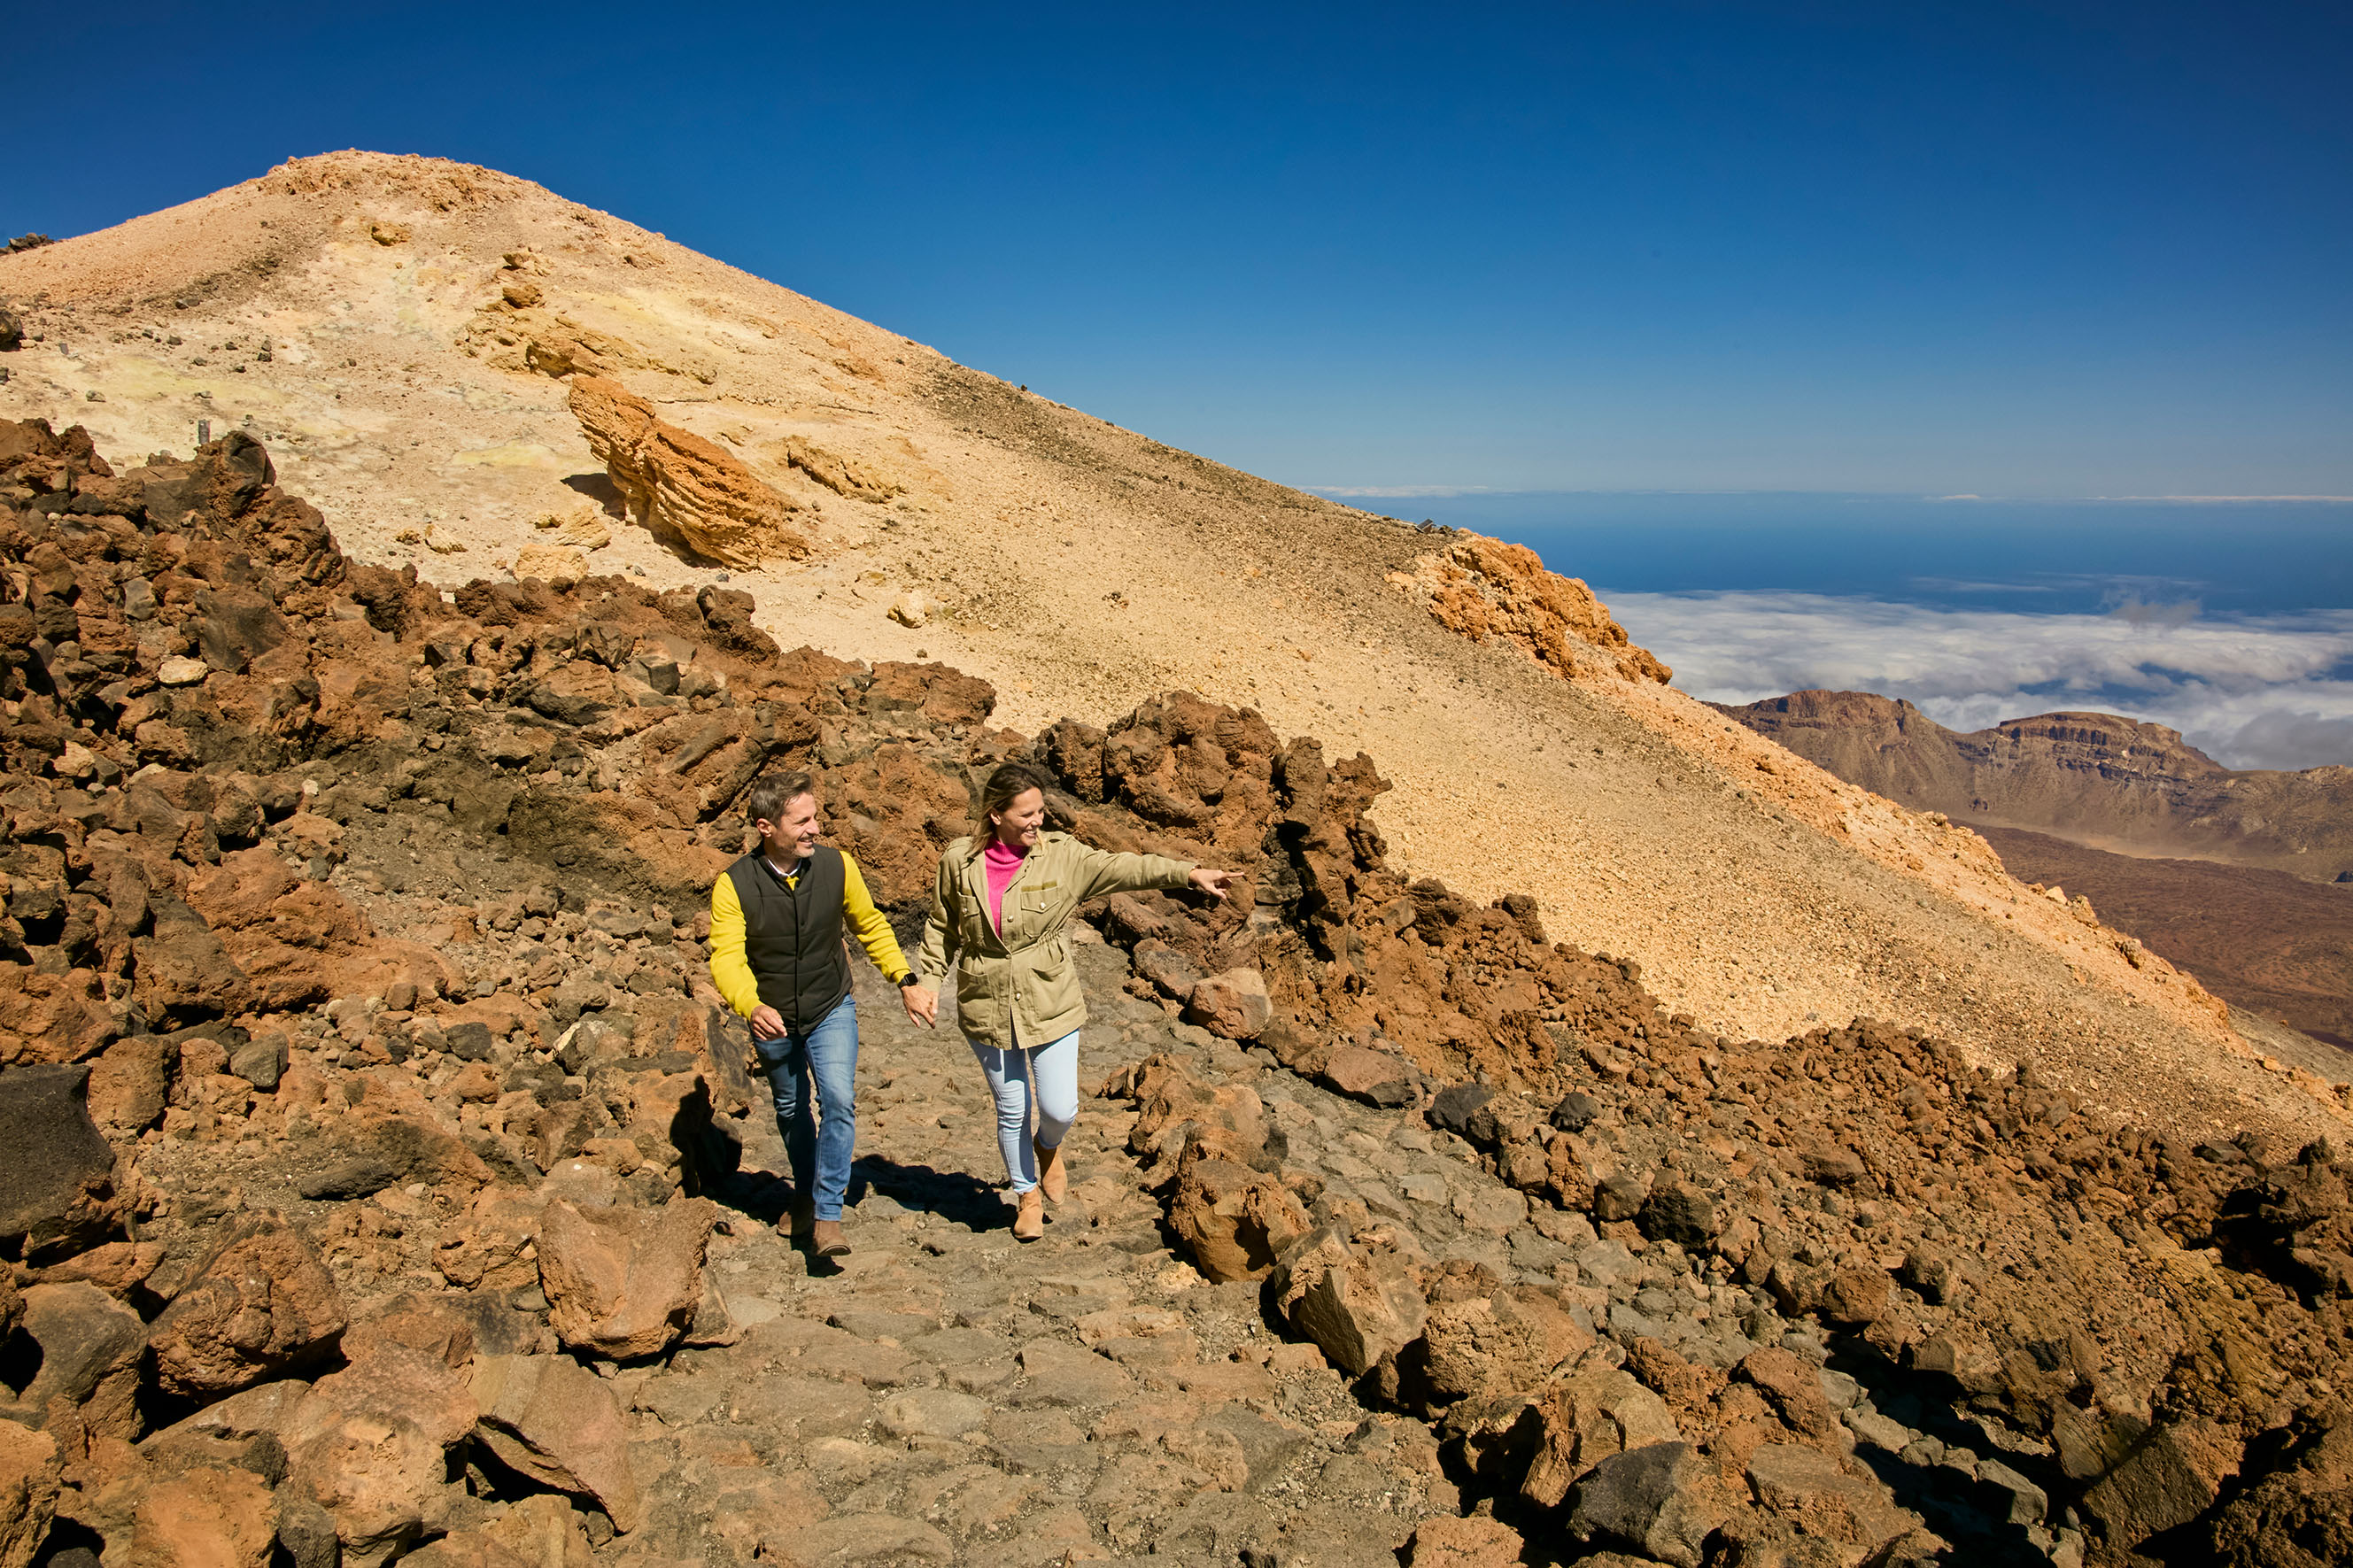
[(2093, 778)]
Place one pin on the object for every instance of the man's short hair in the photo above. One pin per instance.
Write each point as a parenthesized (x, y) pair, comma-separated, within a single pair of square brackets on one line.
[(769, 797)]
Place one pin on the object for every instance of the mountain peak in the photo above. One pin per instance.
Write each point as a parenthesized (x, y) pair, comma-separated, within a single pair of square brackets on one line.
[(405, 334)]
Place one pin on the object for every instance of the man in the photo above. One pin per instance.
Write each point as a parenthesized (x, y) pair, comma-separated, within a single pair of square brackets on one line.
[(777, 954)]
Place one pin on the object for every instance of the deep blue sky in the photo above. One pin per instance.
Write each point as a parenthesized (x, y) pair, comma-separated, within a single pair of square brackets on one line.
[(2012, 250)]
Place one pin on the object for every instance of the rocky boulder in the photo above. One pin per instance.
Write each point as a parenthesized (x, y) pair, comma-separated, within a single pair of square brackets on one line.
[(1595, 1412), (1358, 1305), (1480, 1344), (1233, 1005), (1660, 1501), (2175, 1473), (1793, 1390), (623, 1284), (49, 1017), (90, 1349), (394, 1127), (1446, 1542), (1380, 1079), (1167, 967), (1171, 1105), (550, 1419), (537, 1532), (1676, 1211), (56, 1194), (1855, 1296), (185, 973), (209, 1516), (1452, 1107), (1236, 1220), (1817, 1493), (30, 1477), (261, 1304), (438, 1326), (370, 1445)]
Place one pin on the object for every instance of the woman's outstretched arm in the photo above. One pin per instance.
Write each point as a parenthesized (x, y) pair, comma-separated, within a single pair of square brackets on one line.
[(1104, 872)]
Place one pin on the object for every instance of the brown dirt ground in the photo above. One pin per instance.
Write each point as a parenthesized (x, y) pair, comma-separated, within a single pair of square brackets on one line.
[(2265, 939)]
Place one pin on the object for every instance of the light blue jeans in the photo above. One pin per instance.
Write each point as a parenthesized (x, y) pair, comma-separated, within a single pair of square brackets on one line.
[(1047, 1076), (818, 1143)]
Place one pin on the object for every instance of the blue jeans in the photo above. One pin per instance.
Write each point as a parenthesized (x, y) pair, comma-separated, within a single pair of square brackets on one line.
[(818, 1143)]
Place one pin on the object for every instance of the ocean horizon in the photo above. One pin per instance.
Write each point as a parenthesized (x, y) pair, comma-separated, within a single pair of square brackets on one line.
[(2229, 619)]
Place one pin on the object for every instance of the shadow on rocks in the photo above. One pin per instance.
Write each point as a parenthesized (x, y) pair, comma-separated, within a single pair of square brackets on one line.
[(957, 1196), (762, 1195), (1949, 1496)]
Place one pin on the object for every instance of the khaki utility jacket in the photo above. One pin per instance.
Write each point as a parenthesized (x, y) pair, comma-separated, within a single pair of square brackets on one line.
[(1019, 986)]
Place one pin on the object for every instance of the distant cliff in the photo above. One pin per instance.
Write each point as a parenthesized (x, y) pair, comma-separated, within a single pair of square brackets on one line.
[(2092, 778)]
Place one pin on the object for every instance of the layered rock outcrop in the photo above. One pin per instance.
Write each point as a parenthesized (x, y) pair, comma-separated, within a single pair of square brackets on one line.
[(842, 476), (1480, 588), (2111, 782), (683, 488)]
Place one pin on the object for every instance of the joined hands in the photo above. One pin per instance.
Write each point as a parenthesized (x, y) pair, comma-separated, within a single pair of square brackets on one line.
[(923, 1006)]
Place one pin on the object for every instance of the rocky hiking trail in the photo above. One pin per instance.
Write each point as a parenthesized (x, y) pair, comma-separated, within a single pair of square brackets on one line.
[(390, 1186)]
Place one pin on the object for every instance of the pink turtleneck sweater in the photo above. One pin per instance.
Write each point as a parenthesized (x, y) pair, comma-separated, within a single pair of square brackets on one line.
[(1003, 866)]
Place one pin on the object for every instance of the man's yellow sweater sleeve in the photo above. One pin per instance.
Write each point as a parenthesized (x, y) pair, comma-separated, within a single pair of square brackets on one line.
[(866, 922), (730, 969)]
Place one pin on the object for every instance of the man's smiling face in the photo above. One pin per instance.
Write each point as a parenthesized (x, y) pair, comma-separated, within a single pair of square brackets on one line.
[(792, 836)]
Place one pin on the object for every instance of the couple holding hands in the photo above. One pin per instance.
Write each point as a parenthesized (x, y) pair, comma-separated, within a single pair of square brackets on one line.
[(1000, 917)]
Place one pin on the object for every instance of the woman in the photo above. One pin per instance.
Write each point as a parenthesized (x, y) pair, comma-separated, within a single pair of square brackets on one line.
[(1000, 919)]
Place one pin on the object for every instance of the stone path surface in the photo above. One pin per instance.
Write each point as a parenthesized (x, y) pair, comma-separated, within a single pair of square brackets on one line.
[(947, 1395)]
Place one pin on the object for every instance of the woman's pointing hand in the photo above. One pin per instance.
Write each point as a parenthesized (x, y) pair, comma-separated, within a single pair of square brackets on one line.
[(1212, 882)]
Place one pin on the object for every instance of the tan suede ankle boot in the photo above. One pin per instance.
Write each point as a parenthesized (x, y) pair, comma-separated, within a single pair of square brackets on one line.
[(1029, 1219), (1053, 1175)]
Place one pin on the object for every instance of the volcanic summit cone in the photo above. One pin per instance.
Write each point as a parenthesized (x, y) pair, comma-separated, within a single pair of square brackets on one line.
[(427, 350)]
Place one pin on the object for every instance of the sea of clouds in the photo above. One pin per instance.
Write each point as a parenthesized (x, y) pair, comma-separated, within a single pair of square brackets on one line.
[(2256, 692)]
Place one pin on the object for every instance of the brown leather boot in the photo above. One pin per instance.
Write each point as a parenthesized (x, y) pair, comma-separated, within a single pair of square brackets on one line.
[(1029, 1219), (1053, 1175), (825, 1239), (796, 1220)]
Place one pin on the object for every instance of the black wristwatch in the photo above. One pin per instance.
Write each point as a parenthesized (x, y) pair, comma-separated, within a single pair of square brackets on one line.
[(912, 979)]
